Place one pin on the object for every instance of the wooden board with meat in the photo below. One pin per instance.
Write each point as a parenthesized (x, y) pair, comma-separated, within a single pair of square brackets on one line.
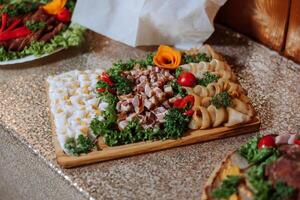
[(265, 168), (30, 28), (169, 99)]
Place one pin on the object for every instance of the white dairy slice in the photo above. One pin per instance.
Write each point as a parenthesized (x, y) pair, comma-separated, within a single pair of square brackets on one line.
[(73, 103)]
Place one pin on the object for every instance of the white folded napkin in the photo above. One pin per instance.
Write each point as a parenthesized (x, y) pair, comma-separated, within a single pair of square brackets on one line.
[(182, 23)]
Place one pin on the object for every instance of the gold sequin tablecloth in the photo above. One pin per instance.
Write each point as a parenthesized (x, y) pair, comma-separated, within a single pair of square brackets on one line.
[(272, 81)]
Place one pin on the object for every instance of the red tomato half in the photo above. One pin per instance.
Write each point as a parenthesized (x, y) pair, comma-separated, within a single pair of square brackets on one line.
[(266, 141), (64, 15), (187, 79)]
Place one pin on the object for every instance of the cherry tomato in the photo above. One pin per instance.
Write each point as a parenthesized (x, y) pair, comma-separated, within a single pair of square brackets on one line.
[(266, 141), (105, 78), (189, 112), (64, 15), (297, 142), (187, 79)]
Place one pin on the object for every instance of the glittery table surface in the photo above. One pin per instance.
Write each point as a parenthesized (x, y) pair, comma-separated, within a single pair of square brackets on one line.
[(272, 81)]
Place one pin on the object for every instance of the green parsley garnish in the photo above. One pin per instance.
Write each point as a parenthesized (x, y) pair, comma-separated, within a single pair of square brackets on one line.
[(227, 187), (208, 78), (253, 154), (19, 8), (175, 123), (221, 99), (34, 26), (195, 58), (80, 145), (178, 89), (178, 71)]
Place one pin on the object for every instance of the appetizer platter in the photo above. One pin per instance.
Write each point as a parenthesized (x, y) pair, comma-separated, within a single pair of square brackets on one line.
[(169, 99), (32, 29), (265, 168)]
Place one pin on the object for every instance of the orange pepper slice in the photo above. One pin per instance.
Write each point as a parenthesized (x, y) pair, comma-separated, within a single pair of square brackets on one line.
[(167, 57), (55, 6)]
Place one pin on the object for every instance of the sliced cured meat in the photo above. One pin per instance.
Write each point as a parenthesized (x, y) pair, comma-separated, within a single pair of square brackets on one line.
[(47, 37)]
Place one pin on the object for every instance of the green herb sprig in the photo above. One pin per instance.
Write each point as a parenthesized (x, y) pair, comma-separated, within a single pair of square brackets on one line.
[(221, 99), (35, 26), (80, 145), (253, 154), (227, 187), (178, 89), (195, 58), (19, 8), (208, 78)]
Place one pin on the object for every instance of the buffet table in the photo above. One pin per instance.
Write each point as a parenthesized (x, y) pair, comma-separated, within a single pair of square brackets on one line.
[(272, 81)]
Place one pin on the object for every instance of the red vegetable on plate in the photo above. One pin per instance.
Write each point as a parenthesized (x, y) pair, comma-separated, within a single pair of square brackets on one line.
[(266, 141), (16, 33), (64, 15), (105, 78), (187, 79), (186, 103), (3, 22), (189, 112)]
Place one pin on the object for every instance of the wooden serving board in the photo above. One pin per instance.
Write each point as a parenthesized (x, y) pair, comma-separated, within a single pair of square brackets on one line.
[(110, 153)]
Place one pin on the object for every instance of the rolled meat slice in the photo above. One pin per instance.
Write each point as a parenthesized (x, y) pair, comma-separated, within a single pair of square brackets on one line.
[(200, 119), (235, 117), (217, 116)]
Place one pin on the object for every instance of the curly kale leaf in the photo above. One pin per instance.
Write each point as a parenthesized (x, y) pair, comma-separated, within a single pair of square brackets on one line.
[(176, 124), (80, 145)]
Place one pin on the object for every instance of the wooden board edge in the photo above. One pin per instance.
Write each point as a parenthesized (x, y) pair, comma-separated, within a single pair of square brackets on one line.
[(111, 153)]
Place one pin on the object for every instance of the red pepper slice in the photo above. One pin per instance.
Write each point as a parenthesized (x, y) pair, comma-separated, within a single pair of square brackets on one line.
[(189, 112), (19, 32), (177, 103), (105, 78), (3, 22), (187, 102), (101, 90), (297, 142), (13, 25)]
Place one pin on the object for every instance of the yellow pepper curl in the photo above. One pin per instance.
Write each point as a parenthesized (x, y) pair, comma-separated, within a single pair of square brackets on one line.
[(55, 6)]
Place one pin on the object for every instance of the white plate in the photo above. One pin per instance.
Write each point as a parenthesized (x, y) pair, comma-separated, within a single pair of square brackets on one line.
[(28, 58)]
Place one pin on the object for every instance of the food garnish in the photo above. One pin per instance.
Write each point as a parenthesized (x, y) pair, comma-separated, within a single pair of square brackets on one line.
[(55, 6), (266, 141), (221, 99), (208, 78), (187, 79), (195, 58), (167, 57), (227, 188), (64, 15)]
